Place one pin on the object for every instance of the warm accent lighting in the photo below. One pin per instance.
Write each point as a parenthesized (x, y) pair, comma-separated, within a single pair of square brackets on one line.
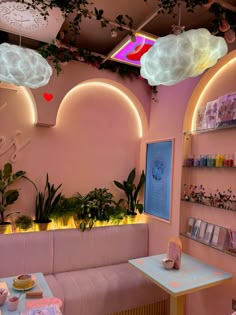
[(174, 58), (23, 66), (120, 93)]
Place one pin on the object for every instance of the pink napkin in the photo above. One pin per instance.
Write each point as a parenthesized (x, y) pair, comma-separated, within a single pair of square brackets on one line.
[(43, 302)]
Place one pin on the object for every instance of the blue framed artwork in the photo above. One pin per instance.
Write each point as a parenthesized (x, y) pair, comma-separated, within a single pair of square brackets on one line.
[(157, 196)]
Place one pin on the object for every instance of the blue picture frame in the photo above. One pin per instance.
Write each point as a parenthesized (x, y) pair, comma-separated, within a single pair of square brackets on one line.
[(158, 186)]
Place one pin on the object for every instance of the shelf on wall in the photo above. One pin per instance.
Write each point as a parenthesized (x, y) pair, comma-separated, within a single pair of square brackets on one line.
[(224, 167), (190, 132), (226, 251), (202, 204)]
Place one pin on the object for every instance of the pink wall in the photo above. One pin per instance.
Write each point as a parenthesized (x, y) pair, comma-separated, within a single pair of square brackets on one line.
[(166, 122), (73, 74), (216, 300), (96, 139)]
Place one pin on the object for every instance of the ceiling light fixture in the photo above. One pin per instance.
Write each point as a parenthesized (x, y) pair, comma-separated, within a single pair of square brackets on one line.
[(23, 66), (174, 58)]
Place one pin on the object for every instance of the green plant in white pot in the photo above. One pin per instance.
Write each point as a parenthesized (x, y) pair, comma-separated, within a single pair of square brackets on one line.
[(8, 196)]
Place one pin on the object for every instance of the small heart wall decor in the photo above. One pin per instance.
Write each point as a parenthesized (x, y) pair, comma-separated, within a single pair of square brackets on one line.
[(48, 97)]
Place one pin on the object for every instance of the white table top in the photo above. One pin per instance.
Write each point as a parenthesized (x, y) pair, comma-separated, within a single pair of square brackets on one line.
[(193, 274)]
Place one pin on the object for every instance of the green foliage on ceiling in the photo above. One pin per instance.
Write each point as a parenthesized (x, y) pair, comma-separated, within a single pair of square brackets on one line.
[(60, 53)]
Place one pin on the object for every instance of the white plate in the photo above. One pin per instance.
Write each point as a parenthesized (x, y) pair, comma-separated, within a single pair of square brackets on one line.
[(33, 283)]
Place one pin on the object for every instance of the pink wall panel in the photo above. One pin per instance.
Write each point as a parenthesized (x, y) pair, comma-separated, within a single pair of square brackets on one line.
[(96, 139)]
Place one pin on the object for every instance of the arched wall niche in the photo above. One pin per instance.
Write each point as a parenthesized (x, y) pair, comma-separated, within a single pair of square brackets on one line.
[(30, 98), (217, 81), (93, 85)]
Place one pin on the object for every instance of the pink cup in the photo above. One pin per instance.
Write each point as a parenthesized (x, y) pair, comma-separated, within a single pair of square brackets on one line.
[(3, 295), (12, 303)]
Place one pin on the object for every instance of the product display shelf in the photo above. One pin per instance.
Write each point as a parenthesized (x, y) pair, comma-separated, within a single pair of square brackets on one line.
[(211, 167), (202, 204), (197, 131), (226, 251)]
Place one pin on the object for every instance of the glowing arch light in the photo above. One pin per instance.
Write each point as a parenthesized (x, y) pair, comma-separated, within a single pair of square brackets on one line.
[(119, 92)]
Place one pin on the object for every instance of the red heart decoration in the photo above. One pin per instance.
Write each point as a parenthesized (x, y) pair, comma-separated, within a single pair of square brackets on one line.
[(138, 52), (48, 97)]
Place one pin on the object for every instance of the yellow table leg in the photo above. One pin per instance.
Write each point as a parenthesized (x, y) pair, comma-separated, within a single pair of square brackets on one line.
[(177, 305)]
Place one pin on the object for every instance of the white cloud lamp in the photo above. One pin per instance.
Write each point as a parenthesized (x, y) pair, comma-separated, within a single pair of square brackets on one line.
[(23, 66), (174, 58)]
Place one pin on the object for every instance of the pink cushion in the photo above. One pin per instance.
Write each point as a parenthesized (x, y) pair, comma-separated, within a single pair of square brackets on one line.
[(106, 290), (26, 253), (75, 250)]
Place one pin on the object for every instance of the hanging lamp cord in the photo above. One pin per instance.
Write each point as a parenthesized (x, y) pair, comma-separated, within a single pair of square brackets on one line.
[(179, 12)]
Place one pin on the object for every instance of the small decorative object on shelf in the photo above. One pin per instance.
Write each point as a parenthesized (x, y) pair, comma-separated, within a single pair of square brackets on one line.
[(208, 233), (196, 228), (217, 113), (202, 230), (232, 241), (190, 226), (210, 160), (224, 200)]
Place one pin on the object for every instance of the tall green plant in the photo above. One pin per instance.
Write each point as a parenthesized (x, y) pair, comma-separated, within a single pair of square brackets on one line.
[(46, 202), (131, 190), (9, 196)]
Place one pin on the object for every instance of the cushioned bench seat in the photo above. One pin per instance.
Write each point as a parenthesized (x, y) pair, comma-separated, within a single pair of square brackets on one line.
[(88, 271)]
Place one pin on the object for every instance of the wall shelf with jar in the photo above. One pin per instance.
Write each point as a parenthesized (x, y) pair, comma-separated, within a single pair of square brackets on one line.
[(211, 160), (209, 153)]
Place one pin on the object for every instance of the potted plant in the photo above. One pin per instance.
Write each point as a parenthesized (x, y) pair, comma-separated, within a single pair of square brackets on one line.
[(8, 196), (118, 212), (24, 222), (103, 203), (65, 211), (98, 206), (46, 203), (85, 212), (132, 191)]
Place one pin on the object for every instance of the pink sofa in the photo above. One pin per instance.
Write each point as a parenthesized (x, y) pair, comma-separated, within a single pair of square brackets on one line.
[(88, 271)]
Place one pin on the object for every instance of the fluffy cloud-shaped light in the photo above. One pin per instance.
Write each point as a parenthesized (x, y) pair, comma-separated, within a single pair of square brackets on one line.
[(174, 58), (23, 66)]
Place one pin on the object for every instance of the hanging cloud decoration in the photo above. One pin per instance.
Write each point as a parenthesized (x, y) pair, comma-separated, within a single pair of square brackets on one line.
[(23, 66), (174, 58)]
